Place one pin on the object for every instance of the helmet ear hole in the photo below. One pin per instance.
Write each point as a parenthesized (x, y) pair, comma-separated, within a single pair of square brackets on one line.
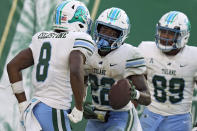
[(81, 26)]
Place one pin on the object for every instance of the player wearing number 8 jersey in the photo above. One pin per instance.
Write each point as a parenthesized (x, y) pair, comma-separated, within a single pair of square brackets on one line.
[(58, 57), (171, 75)]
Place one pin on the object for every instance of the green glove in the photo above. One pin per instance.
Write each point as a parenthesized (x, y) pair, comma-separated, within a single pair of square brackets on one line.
[(89, 111), (133, 91)]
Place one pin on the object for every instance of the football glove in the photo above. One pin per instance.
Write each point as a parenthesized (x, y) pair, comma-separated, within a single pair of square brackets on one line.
[(22, 106), (91, 113), (76, 115), (135, 94)]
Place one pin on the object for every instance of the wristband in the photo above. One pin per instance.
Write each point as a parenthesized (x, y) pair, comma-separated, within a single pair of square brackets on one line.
[(17, 87), (137, 95)]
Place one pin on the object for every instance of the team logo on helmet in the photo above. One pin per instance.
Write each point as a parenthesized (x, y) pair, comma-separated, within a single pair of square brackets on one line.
[(79, 16), (114, 14), (171, 17)]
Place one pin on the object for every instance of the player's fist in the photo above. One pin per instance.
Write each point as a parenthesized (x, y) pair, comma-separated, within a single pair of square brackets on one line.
[(76, 115), (133, 91), (22, 106)]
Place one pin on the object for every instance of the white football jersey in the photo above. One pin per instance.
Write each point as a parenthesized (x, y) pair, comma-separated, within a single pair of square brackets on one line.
[(104, 71), (51, 74), (170, 79)]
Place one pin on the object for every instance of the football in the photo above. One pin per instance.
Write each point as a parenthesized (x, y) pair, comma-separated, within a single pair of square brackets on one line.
[(119, 94)]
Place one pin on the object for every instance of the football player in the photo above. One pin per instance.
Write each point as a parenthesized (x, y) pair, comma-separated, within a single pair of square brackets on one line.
[(171, 75), (114, 60), (57, 57)]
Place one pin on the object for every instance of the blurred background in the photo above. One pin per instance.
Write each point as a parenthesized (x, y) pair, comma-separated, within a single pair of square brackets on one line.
[(20, 19)]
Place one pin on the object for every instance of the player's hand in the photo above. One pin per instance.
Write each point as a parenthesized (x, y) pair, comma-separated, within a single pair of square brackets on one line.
[(194, 129), (76, 115), (22, 106), (133, 91), (89, 111)]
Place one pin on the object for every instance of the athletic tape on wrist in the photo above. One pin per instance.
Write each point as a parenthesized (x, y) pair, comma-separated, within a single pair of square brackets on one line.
[(17, 87), (137, 95)]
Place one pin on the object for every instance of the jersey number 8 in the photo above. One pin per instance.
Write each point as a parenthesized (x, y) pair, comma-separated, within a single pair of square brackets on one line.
[(43, 64)]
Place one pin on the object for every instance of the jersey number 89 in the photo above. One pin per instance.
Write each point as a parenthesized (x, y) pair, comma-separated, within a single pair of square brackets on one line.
[(176, 86)]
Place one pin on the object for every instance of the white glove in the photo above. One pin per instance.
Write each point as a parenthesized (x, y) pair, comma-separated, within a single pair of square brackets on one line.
[(76, 115), (22, 106), (194, 129)]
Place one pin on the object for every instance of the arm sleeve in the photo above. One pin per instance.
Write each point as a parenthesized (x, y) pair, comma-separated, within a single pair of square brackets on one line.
[(32, 43), (135, 63), (85, 44)]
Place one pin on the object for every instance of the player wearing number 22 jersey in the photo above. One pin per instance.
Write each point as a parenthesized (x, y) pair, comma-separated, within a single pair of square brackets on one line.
[(171, 75), (112, 61)]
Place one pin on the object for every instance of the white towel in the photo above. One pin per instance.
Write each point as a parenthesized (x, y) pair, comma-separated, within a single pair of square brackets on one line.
[(136, 124), (30, 121)]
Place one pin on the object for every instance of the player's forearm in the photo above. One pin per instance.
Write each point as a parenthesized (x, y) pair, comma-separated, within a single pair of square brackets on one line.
[(144, 99), (21, 61), (76, 62), (14, 73), (77, 83), (15, 76), (139, 82), (21, 97)]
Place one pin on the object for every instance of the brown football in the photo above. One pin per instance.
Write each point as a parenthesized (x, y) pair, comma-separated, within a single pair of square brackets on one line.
[(119, 94)]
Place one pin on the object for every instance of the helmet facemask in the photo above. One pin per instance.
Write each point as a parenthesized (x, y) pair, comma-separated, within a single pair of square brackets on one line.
[(117, 20), (107, 42), (172, 31), (168, 39)]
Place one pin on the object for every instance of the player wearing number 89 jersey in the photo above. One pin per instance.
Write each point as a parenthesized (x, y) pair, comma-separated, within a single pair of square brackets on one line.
[(171, 79), (171, 75)]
